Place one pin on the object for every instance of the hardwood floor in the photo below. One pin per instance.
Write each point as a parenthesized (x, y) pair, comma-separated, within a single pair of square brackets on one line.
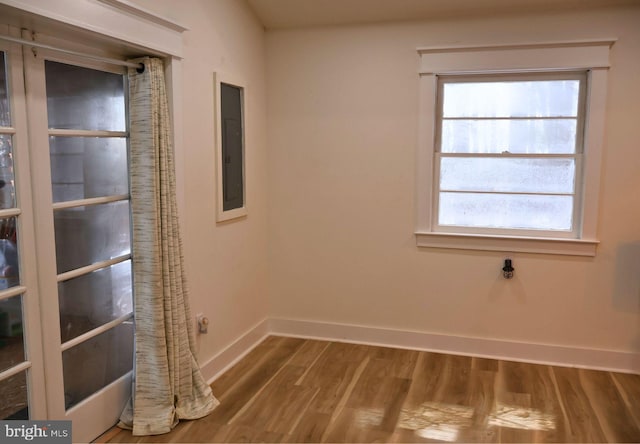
[(296, 390)]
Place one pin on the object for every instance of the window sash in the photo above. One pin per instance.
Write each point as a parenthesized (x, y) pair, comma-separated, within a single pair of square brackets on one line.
[(580, 76), (576, 159), (576, 156)]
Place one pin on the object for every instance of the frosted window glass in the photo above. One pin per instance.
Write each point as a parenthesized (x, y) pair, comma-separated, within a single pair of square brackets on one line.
[(5, 111), (83, 98), (85, 235), (507, 175), (516, 136), (515, 211), (91, 300), (85, 167), (97, 362), (550, 98)]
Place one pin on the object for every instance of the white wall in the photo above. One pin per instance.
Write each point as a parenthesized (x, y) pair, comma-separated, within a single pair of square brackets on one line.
[(342, 110), (226, 263)]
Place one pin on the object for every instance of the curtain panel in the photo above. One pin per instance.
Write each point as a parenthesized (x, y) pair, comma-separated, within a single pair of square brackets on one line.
[(168, 385)]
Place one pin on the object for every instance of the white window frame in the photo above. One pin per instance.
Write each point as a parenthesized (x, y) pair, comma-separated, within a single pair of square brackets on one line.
[(591, 56)]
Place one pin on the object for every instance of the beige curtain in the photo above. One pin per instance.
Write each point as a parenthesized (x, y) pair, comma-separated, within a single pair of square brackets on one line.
[(168, 385)]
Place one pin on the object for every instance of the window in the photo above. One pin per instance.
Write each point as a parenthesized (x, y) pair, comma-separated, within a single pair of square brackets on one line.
[(508, 153), (510, 147)]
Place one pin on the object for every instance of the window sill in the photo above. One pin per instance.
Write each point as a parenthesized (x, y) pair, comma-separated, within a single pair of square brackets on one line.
[(568, 247)]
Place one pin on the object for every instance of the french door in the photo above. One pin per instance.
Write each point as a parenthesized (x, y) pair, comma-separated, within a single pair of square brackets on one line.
[(73, 241)]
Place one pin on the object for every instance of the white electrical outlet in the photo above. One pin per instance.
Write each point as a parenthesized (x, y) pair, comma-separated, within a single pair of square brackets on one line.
[(203, 323)]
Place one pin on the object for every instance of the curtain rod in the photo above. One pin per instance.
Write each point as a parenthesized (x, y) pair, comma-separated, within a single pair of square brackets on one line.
[(138, 66)]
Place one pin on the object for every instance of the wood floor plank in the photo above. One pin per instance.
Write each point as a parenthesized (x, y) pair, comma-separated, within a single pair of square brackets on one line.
[(255, 378), (379, 396), (352, 426), (124, 436), (484, 364), (240, 433), (541, 387), (583, 423), (432, 409), (455, 389), (334, 363), (481, 395), (309, 353), (427, 378), (617, 422), (185, 431), (410, 436), (542, 412), (281, 405), (510, 417), (232, 376), (310, 428), (478, 434), (400, 363), (629, 387), (513, 377), (108, 436), (333, 373), (547, 408), (436, 420)]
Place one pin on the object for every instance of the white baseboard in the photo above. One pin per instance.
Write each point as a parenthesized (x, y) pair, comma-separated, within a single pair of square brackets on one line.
[(595, 359), (237, 350)]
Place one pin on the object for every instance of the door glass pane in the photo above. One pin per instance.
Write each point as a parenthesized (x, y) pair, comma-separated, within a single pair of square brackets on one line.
[(507, 175), (9, 263), (522, 211), (11, 335), (7, 190), (85, 167), (5, 114), (88, 301), (523, 136), (14, 396), (83, 98), (85, 235), (95, 363), (548, 98)]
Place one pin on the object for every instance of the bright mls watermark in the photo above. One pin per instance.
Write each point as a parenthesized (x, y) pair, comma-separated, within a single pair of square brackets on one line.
[(41, 432)]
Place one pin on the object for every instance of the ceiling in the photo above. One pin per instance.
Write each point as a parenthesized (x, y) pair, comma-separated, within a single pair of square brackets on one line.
[(283, 14)]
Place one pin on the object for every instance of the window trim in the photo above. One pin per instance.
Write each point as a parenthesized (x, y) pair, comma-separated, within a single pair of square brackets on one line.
[(591, 56)]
